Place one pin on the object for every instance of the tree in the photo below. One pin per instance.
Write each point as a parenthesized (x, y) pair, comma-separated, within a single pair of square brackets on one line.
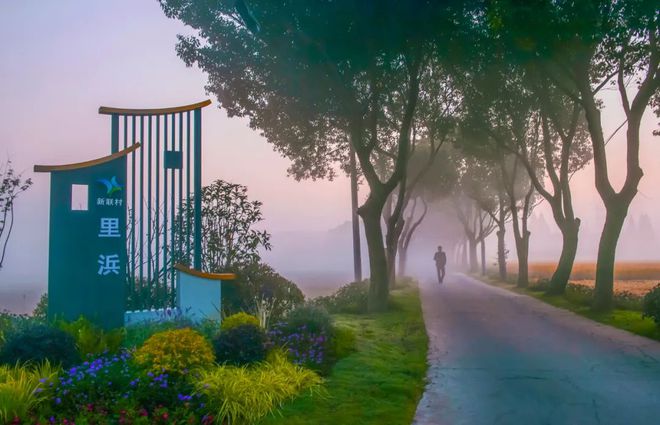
[(520, 193), (472, 198), (229, 239), (524, 115), (319, 75), (12, 185), (434, 184), (565, 150), (582, 47), (435, 123)]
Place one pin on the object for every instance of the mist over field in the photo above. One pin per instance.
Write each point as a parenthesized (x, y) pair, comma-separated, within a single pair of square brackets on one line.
[(308, 220)]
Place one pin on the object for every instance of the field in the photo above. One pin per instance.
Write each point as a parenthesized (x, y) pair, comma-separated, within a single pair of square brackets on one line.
[(635, 277)]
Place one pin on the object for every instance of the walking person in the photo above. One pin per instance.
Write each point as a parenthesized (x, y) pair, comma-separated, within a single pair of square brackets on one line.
[(440, 258)]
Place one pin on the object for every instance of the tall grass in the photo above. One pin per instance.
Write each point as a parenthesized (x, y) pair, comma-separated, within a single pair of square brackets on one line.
[(243, 395), (23, 387)]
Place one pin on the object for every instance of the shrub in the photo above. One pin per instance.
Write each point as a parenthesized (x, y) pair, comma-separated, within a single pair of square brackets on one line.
[(241, 345), (579, 294), (92, 340), (628, 301), (37, 343), (314, 318), (239, 319), (256, 283), (208, 327), (541, 285), (651, 304), (351, 299), (40, 312), (176, 351), (241, 395), (137, 334), (308, 336), (11, 323), (23, 387)]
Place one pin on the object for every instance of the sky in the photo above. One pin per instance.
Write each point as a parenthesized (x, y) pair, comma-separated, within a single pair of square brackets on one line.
[(60, 61)]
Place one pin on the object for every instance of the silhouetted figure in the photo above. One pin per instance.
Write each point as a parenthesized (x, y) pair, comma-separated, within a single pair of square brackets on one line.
[(440, 258)]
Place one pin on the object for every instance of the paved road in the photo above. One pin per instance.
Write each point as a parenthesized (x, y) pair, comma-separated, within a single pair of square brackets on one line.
[(502, 358)]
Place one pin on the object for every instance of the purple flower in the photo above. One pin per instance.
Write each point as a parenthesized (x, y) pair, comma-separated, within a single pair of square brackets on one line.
[(58, 400)]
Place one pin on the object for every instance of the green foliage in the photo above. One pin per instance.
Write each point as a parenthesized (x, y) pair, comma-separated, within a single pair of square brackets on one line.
[(229, 240), (11, 323), (209, 328), (40, 312), (241, 345), (177, 352), (584, 295), (90, 339), (256, 283), (314, 318), (114, 389), (380, 383), (137, 334), (343, 343), (239, 319), (242, 395), (308, 335), (651, 305), (350, 299), (38, 343), (579, 294), (542, 284), (24, 387)]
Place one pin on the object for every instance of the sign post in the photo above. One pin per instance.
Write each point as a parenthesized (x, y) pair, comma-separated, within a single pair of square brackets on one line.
[(87, 244)]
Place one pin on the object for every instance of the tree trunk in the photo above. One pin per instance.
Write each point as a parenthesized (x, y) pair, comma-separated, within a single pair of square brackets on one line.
[(474, 263), (403, 259), (609, 238), (464, 254), (391, 247), (483, 257), (379, 284), (522, 249), (501, 251), (562, 273), (357, 251)]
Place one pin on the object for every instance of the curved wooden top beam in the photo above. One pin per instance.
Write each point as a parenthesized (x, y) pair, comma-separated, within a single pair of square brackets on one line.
[(214, 276), (85, 164), (107, 110)]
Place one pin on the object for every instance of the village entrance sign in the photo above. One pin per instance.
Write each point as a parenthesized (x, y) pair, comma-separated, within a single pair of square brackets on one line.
[(118, 237)]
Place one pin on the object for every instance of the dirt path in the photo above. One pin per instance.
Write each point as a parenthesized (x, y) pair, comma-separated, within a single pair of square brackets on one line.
[(501, 358)]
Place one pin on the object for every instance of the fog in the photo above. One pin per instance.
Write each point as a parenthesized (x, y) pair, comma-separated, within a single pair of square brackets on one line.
[(62, 61)]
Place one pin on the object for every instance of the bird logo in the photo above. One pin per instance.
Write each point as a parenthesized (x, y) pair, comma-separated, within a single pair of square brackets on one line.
[(111, 185)]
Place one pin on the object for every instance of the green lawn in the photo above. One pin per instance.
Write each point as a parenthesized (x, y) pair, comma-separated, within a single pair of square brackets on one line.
[(382, 382), (629, 320)]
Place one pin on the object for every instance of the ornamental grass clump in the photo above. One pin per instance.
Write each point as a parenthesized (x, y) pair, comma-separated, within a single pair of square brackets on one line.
[(176, 351), (23, 388), (243, 395), (92, 340)]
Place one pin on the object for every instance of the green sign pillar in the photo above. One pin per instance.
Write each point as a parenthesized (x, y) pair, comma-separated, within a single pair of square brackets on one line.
[(87, 244)]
